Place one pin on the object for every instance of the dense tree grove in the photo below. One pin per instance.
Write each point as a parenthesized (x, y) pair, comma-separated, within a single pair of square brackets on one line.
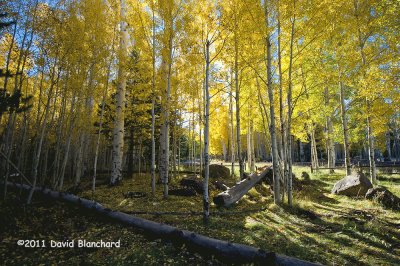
[(92, 87)]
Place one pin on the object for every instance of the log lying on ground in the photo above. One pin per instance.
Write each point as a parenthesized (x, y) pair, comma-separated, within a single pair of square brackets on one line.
[(226, 251), (235, 193), (220, 185)]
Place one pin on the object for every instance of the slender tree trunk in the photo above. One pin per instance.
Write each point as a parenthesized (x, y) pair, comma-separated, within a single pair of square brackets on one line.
[(206, 138), (272, 111), (314, 151), (249, 159), (96, 152), (60, 127), (283, 150), (237, 97), (232, 128), (140, 157), (174, 142), (388, 146), (37, 154), (164, 138), (79, 159), (371, 138), (371, 146), (68, 143), (345, 128), (252, 165), (289, 118), (200, 129), (153, 103), (118, 132), (329, 134)]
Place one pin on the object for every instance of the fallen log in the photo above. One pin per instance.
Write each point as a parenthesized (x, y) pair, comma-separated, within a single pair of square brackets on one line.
[(220, 185), (226, 251), (235, 193)]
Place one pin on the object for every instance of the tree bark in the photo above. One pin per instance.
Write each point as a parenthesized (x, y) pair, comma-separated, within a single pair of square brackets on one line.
[(283, 150), (119, 126), (371, 146), (164, 138), (37, 154), (235, 193), (206, 204), (345, 128), (289, 118), (237, 100), (272, 111), (329, 133), (153, 103), (232, 128)]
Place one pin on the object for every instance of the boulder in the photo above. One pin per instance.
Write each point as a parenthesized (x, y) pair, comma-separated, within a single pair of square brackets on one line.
[(219, 171), (354, 185), (384, 197)]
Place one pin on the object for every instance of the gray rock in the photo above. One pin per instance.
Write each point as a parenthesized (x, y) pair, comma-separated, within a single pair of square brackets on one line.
[(354, 185), (384, 197)]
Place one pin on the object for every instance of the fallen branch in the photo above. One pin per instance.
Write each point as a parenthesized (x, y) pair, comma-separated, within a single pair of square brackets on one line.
[(226, 251)]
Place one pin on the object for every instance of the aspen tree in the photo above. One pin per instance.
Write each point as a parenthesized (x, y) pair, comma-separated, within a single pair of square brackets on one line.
[(118, 133)]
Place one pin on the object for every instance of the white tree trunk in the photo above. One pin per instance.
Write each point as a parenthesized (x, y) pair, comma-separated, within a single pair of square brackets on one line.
[(206, 204), (345, 128), (283, 148), (253, 164), (237, 94), (272, 112), (289, 118), (119, 127), (371, 146), (38, 150), (232, 128), (164, 133), (329, 134), (153, 103)]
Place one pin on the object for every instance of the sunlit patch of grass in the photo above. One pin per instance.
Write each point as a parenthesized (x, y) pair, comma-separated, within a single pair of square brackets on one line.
[(320, 227)]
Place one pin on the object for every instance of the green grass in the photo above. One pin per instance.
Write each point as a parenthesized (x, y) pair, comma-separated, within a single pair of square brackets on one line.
[(320, 227)]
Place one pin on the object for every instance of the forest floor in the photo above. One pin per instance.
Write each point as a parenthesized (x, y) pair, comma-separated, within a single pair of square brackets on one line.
[(320, 227)]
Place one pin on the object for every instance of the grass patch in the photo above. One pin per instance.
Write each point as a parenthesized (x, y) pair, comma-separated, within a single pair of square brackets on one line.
[(319, 227)]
